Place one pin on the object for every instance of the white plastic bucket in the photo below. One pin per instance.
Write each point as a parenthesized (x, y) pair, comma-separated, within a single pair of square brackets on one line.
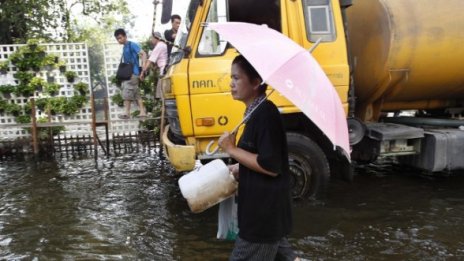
[(207, 186)]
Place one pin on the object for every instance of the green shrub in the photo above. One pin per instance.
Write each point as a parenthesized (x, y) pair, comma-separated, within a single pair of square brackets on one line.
[(13, 109), (52, 89), (117, 99), (25, 90), (23, 119), (82, 88), (37, 84), (70, 76)]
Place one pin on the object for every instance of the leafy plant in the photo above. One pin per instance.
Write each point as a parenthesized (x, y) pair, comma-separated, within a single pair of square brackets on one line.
[(3, 105), (70, 76), (6, 90), (149, 104), (23, 119), (13, 109), (57, 104), (4, 67), (70, 107), (25, 90), (50, 61), (62, 66), (115, 81), (28, 108), (117, 99), (52, 89), (41, 103), (24, 77), (37, 83), (78, 100), (32, 44), (82, 88)]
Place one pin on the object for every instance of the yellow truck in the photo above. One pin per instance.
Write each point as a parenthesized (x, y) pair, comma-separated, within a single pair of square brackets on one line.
[(397, 66)]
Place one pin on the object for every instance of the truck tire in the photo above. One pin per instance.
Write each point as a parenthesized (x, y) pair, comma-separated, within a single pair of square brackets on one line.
[(309, 167)]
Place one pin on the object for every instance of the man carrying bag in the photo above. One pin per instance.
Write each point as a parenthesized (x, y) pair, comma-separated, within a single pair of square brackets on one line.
[(128, 73)]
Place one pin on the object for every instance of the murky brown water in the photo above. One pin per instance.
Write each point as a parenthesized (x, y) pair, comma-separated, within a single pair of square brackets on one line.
[(130, 207)]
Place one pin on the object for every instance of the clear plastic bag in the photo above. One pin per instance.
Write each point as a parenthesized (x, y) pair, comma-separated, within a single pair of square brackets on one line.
[(227, 219)]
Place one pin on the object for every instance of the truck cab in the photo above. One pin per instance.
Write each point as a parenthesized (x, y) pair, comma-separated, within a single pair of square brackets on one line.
[(197, 99)]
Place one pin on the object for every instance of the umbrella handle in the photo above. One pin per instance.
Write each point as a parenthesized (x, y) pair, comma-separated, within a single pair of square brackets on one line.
[(315, 45), (208, 147)]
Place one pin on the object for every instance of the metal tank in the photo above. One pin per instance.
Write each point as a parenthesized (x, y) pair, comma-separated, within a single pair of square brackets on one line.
[(406, 54)]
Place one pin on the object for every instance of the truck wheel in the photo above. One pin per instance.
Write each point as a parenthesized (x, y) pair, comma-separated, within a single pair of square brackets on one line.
[(309, 167)]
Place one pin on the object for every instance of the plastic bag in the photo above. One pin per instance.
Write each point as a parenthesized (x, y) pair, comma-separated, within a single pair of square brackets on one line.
[(227, 219)]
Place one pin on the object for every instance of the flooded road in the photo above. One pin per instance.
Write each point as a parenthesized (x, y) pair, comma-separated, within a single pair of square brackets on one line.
[(129, 207)]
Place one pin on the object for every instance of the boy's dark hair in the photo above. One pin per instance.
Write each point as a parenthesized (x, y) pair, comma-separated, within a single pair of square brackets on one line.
[(119, 31), (250, 71), (175, 16)]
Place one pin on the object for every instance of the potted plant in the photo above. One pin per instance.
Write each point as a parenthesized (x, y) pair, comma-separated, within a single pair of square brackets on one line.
[(28, 107), (23, 119), (6, 90), (13, 109), (79, 100), (24, 90), (32, 44), (62, 66), (3, 105), (37, 84), (57, 104), (52, 88), (70, 76), (41, 103), (115, 81), (4, 67), (50, 61), (24, 77), (70, 107), (117, 99), (82, 88)]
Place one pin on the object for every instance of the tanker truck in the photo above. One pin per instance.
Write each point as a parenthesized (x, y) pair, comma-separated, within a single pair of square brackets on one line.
[(396, 65)]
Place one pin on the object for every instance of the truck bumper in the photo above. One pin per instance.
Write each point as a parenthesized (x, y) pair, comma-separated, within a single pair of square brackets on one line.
[(181, 157)]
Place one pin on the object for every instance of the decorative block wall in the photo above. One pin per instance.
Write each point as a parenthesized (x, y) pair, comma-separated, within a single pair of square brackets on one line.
[(75, 55), (112, 56)]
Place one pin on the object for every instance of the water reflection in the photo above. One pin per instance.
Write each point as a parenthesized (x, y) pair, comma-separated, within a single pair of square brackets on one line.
[(130, 207)]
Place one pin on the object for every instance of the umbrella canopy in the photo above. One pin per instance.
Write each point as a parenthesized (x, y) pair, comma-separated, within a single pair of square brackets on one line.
[(292, 71)]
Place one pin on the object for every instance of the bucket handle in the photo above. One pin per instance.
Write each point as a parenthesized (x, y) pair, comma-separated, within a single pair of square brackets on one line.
[(208, 147)]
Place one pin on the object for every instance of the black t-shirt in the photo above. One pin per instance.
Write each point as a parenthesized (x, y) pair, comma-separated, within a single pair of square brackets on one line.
[(168, 36), (264, 202)]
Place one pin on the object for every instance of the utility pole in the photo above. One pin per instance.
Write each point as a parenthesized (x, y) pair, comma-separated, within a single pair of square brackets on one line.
[(155, 4)]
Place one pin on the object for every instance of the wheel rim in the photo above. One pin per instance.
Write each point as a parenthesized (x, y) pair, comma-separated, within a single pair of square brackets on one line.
[(300, 173)]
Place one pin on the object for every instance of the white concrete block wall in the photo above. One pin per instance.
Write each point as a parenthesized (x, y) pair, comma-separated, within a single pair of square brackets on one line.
[(76, 57), (112, 56)]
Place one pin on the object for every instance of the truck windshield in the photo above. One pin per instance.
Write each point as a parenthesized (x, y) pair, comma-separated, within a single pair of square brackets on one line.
[(180, 42)]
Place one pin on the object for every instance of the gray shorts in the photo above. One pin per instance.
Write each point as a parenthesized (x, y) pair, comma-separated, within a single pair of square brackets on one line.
[(130, 89), (280, 250)]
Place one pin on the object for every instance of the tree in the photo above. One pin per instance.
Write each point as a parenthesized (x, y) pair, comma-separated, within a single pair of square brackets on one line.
[(23, 19), (53, 20)]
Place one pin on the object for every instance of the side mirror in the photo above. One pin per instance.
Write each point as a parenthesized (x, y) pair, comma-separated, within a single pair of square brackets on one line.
[(166, 12)]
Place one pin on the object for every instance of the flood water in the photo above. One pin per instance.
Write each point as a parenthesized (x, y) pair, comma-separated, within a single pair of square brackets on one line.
[(130, 208)]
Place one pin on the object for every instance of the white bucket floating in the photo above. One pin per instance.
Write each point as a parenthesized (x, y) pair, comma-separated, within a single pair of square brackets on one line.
[(208, 185)]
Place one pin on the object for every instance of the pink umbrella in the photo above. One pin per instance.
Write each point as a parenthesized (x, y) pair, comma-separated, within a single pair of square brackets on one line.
[(292, 71)]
